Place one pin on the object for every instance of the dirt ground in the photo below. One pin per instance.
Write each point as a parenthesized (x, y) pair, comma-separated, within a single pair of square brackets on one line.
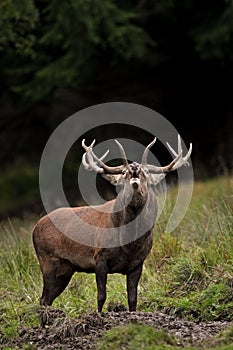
[(59, 331)]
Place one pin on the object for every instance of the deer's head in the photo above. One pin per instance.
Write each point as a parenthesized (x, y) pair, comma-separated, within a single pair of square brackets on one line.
[(134, 178)]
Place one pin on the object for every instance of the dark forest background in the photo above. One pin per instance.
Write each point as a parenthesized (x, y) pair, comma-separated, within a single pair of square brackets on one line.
[(58, 57)]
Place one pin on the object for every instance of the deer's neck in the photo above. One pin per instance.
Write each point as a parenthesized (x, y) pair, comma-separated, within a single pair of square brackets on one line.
[(135, 220), (127, 209)]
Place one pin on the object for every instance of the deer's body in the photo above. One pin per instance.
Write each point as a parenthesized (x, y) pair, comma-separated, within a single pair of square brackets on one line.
[(132, 214)]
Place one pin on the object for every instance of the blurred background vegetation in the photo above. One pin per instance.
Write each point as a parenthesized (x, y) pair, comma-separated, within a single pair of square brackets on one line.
[(58, 57), (175, 57)]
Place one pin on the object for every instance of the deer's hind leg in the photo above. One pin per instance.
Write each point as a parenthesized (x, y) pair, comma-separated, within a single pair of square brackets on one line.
[(56, 276)]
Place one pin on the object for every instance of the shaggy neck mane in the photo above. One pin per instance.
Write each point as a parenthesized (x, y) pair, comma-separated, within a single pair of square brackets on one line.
[(126, 212)]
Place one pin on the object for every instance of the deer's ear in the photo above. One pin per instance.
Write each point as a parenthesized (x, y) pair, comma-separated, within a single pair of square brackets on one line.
[(156, 178), (114, 179)]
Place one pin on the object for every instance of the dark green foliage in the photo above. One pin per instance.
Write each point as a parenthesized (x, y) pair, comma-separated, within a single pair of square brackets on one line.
[(17, 23), (71, 42), (167, 55), (76, 39), (214, 39)]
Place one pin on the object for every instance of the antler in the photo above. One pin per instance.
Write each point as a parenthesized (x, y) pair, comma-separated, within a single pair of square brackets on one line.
[(145, 154), (85, 163), (123, 155), (92, 162), (177, 162), (97, 164)]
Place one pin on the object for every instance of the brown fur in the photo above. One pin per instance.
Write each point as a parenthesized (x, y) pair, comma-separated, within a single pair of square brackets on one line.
[(60, 256)]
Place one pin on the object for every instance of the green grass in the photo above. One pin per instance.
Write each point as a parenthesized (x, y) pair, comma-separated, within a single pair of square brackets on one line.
[(189, 272), (144, 337), (192, 268), (19, 278), (136, 336)]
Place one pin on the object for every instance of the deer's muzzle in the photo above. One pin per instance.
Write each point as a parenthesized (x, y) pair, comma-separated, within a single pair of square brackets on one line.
[(135, 182)]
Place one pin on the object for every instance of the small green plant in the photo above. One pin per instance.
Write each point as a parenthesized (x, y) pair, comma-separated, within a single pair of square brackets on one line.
[(135, 336)]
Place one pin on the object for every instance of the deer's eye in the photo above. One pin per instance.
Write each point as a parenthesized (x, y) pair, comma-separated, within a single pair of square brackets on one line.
[(123, 172)]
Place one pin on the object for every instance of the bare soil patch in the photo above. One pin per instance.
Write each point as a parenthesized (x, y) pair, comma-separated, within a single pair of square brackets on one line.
[(59, 331)]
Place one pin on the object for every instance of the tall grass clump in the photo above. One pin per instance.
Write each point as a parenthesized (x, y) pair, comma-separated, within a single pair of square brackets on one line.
[(19, 282), (192, 268)]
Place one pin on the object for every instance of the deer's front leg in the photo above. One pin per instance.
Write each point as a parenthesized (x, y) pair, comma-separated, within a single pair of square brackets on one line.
[(101, 281), (132, 285)]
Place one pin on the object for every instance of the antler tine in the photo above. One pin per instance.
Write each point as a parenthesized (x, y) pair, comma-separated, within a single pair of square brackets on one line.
[(100, 160), (179, 147), (146, 151), (166, 168), (90, 163), (104, 155), (189, 152), (87, 148), (171, 149), (179, 144), (123, 154), (87, 166), (177, 162), (184, 159), (84, 162)]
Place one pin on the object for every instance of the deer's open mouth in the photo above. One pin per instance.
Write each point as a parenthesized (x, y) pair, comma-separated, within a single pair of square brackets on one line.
[(135, 182)]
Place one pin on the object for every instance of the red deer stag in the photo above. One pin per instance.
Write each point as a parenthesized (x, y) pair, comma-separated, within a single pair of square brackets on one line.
[(132, 214)]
